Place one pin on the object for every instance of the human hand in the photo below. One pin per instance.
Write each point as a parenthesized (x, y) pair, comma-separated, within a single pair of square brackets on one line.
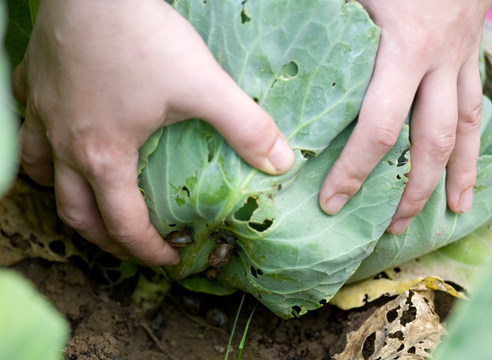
[(98, 79), (428, 53)]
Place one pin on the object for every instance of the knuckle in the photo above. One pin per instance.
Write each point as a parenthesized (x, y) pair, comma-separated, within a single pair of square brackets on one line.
[(130, 239), (384, 136), (462, 179), (97, 161), (470, 121), (32, 159), (74, 219), (265, 135), (441, 146), (349, 180)]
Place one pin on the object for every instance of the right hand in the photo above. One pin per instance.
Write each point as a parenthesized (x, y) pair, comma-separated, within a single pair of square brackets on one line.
[(98, 78)]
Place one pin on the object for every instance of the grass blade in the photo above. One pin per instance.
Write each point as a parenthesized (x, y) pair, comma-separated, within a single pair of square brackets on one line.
[(243, 340), (234, 326)]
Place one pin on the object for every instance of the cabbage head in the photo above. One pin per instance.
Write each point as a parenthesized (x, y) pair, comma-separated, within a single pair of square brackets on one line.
[(308, 64)]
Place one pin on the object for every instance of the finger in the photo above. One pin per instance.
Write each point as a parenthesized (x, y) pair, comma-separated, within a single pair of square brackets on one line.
[(461, 168), (77, 208), (124, 211), (433, 133), (248, 129), (19, 85), (384, 109), (36, 154)]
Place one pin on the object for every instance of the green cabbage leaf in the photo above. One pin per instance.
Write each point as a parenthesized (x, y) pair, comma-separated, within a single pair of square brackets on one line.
[(308, 64)]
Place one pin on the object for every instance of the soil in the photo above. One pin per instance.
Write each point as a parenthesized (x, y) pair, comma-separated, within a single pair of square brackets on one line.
[(187, 326)]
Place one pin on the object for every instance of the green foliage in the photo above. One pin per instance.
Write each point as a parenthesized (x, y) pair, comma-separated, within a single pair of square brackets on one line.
[(470, 325), (308, 64), (8, 125), (204, 285), (18, 30), (30, 328)]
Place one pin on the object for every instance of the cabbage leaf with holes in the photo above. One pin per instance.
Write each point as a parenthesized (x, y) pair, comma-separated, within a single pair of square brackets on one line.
[(308, 64)]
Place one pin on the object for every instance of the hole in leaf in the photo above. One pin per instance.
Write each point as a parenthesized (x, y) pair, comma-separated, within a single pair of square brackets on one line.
[(261, 227), (307, 153), (381, 275), (185, 189), (390, 163), (253, 272), (402, 346), (172, 225), (58, 247), (246, 211), (403, 159), (398, 176), (256, 100), (244, 18), (392, 314), (322, 302), (259, 272), (412, 350), (397, 270), (18, 241), (210, 148), (296, 310), (397, 335), (107, 260), (368, 347), (410, 314), (334, 84), (288, 71)]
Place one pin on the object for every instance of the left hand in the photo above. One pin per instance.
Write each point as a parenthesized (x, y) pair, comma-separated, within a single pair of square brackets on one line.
[(428, 53)]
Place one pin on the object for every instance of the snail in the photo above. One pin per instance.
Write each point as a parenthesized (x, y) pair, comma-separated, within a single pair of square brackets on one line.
[(180, 238), (224, 237), (211, 273), (221, 255), (216, 317), (190, 303)]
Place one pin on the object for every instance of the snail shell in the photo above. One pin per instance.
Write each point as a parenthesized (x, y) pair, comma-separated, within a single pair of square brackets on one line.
[(221, 255), (224, 237), (180, 239), (211, 273), (217, 317), (190, 303)]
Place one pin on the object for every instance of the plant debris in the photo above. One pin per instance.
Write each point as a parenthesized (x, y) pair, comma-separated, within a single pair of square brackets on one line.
[(405, 328)]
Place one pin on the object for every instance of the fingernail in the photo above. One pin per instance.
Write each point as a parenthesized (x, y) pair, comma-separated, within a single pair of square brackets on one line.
[(281, 156), (335, 204), (398, 226), (466, 200)]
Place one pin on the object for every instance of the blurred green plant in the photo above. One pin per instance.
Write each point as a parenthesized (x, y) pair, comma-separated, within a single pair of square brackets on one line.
[(30, 328)]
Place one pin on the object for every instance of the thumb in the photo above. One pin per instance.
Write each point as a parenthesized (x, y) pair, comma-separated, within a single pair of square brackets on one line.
[(248, 129), (19, 85)]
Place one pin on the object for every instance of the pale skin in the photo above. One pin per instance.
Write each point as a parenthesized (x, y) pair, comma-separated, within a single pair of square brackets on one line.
[(100, 76)]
